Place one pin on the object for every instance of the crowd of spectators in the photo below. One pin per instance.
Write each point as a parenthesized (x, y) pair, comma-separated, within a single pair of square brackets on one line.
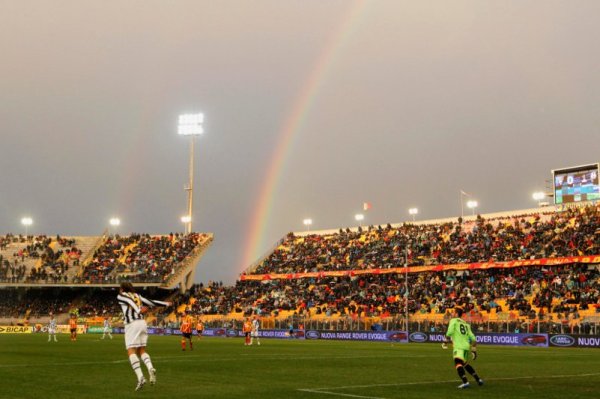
[(572, 232), (34, 260), (140, 257), (33, 303)]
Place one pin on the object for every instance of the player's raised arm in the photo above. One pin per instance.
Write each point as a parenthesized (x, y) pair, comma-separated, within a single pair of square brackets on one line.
[(152, 302)]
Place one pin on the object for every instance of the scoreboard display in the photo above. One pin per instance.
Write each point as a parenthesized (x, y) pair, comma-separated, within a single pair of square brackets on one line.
[(576, 184)]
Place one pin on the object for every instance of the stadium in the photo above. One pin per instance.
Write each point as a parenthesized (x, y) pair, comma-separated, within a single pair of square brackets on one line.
[(477, 290)]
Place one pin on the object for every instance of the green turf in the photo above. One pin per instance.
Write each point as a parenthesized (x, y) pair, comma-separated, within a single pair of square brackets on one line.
[(30, 367)]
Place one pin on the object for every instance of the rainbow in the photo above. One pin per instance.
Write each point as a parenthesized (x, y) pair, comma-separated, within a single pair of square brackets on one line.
[(293, 123)]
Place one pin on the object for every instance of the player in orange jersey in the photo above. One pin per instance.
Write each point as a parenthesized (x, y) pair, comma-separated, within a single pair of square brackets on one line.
[(247, 329), (73, 326), (199, 328), (186, 330)]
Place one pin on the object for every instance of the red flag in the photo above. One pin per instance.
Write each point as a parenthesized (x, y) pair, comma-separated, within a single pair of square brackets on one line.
[(366, 206)]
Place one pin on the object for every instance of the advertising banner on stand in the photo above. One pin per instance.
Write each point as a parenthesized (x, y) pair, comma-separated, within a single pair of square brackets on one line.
[(575, 341), (488, 338), (375, 336)]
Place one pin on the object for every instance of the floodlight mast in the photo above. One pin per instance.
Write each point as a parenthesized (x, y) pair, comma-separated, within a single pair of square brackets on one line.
[(190, 125)]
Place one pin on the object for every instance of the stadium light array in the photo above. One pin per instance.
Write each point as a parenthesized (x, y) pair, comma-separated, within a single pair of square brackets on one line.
[(186, 219), (538, 196), (190, 124), (114, 222)]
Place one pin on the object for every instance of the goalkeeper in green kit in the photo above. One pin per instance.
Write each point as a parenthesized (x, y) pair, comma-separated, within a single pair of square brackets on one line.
[(463, 342)]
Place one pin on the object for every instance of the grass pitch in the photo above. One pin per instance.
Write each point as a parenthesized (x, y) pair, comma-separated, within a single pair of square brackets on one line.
[(31, 367)]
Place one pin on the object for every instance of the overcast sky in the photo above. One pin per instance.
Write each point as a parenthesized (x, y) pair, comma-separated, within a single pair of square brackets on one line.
[(398, 103)]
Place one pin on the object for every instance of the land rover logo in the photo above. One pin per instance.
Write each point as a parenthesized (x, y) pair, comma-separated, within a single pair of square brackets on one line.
[(562, 340), (312, 335), (418, 337)]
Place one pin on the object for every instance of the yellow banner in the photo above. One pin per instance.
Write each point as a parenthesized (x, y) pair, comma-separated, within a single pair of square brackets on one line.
[(15, 330), (64, 329)]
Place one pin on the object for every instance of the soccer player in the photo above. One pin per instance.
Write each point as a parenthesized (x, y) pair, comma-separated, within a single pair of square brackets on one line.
[(186, 330), (52, 328), (247, 329), (107, 328), (255, 328), (463, 342), (199, 328), (136, 330), (73, 326)]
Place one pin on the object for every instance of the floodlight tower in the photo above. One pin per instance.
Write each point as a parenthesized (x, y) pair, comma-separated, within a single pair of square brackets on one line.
[(27, 221), (539, 197), (307, 222), (190, 125), (472, 204), (359, 217), (413, 212)]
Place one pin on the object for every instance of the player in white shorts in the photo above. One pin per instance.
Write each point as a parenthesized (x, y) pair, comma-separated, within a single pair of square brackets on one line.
[(107, 328), (136, 330), (254, 332), (52, 328)]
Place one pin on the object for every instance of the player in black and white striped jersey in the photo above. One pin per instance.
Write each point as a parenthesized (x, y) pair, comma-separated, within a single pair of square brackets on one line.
[(134, 306)]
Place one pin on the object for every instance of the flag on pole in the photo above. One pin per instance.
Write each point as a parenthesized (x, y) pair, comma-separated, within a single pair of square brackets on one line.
[(465, 194), (366, 206)]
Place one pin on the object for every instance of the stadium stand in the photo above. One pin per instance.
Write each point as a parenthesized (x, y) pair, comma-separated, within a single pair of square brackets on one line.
[(353, 274), (510, 271)]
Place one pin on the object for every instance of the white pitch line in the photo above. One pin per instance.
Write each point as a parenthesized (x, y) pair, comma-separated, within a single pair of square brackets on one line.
[(340, 394), (328, 390)]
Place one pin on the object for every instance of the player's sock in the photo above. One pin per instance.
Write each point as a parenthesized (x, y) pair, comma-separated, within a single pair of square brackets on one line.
[(146, 359), (251, 340), (461, 373), (183, 344), (135, 365), (472, 371), (191, 345)]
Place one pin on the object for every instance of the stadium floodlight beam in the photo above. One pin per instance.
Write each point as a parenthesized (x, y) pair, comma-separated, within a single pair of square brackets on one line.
[(307, 222), (186, 219), (190, 125), (472, 204), (26, 221), (413, 212)]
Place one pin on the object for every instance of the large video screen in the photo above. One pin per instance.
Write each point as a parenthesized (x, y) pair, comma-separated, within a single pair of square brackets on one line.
[(576, 184)]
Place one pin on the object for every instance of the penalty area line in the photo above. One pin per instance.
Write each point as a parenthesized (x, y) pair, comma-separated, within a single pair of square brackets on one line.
[(347, 395), (329, 390)]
